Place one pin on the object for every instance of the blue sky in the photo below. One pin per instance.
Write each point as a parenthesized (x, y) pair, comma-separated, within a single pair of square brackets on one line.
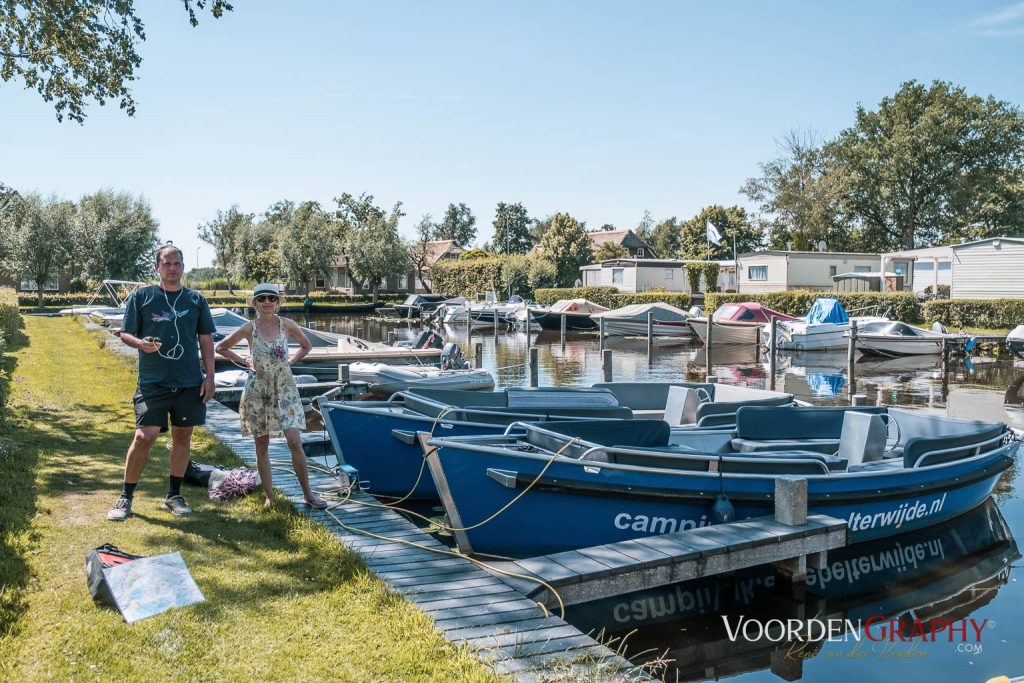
[(601, 109)]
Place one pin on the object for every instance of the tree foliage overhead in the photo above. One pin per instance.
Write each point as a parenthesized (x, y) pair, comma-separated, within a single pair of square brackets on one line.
[(609, 251), (933, 165), (511, 229), (731, 221), (419, 249), (665, 238), (309, 246), (71, 51), (374, 248), (645, 227), (567, 245), (802, 197), (458, 224), (224, 234), (117, 234)]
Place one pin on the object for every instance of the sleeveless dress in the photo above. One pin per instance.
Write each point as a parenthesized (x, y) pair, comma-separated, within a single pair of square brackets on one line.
[(270, 401)]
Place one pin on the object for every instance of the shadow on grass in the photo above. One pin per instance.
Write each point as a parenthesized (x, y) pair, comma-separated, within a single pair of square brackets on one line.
[(17, 499)]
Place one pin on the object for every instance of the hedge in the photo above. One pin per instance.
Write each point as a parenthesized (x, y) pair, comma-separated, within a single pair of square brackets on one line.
[(467, 277), (10, 323), (900, 305), (990, 313), (215, 297), (611, 297)]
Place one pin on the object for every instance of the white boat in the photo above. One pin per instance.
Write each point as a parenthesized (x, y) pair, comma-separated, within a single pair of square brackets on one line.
[(480, 315), (385, 380), (118, 291), (669, 321), (894, 338), (1015, 341), (825, 327), (736, 323)]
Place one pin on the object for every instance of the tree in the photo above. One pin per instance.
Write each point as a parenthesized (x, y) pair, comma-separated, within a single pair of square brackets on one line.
[(458, 225), (511, 229), (934, 165), (730, 221), (802, 197), (42, 236), (224, 234), (543, 273), (308, 244), (665, 237), (607, 227), (73, 50), (419, 250), (259, 250), (515, 274), (117, 234), (539, 227), (568, 246), (609, 251), (374, 249), (645, 228)]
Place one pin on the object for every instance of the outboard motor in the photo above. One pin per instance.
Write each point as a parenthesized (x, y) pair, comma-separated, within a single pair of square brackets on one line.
[(427, 339), (939, 327), (452, 359)]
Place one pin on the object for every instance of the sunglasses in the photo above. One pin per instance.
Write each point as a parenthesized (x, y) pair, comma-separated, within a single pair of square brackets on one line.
[(266, 297)]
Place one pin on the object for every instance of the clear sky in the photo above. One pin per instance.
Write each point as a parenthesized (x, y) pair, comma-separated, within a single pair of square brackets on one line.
[(601, 109)]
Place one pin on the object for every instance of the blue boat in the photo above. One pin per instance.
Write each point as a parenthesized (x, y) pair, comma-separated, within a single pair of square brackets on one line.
[(602, 482), (378, 438)]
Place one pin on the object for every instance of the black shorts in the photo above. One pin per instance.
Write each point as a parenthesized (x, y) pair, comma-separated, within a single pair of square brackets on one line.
[(153, 403)]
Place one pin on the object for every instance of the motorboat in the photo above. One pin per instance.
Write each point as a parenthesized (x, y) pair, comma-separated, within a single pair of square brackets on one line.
[(895, 338), (1015, 341), (415, 305), (576, 313), (823, 328), (669, 321), (385, 380), (596, 482), (117, 291), (737, 323), (378, 438), (487, 314)]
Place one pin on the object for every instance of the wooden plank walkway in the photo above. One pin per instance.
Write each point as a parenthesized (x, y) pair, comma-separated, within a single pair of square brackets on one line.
[(470, 606), (619, 568)]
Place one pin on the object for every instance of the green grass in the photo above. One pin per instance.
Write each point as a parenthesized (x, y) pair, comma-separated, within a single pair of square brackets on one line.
[(284, 600)]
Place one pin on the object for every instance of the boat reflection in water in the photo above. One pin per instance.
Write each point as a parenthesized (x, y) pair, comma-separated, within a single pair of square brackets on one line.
[(943, 573)]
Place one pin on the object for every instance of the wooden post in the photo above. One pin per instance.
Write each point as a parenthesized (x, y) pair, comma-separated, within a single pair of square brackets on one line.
[(859, 400), (391, 337), (944, 369), (534, 369), (562, 326), (334, 328), (600, 333), (478, 355), (772, 348), (343, 375), (495, 327), (606, 364), (707, 344), (851, 354)]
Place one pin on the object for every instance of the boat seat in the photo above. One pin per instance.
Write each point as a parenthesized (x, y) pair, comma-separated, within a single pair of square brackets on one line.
[(877, 465), (551, 397), (635, 433), (922, 451), (720, 413), (825, 446), (758, 423), (681, 406), (787, 462), (651, 395)]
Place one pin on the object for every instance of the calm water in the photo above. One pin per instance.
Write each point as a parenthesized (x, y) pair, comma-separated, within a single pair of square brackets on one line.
[(967, 568)]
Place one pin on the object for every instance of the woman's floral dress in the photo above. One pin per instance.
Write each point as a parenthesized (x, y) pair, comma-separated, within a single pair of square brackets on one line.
[(270, 401)]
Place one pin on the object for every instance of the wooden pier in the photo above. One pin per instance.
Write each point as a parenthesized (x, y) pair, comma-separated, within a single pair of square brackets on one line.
[(470, 606)]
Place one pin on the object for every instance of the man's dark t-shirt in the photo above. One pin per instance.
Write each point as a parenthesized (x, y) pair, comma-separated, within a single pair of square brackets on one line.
[(147, 314)]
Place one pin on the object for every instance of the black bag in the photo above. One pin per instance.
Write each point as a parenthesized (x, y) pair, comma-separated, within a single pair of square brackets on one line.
[(198, 474), (98, 559)]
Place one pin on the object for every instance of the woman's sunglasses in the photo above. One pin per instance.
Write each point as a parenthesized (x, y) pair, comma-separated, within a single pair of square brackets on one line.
[(266, 297)]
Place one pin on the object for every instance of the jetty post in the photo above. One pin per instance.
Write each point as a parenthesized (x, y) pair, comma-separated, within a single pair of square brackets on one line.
[(707, 345), (650, 336), (334, 328), (343, 373), (562, 325), (851, 354), (478, 355), (495, 328), (600, 333), (772, 347), (534, 369), (606, 364)]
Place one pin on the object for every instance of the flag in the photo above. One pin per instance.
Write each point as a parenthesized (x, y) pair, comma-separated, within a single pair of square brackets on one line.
[(713, 234)]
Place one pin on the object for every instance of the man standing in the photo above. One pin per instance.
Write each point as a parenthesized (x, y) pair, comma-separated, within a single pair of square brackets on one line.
[(169, 325)]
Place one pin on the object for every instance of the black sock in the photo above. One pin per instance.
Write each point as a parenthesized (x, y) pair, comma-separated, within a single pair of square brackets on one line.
[(129, 490), (175, 486)]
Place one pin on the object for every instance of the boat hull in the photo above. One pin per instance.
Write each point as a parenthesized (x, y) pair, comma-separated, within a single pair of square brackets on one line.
[(879, 345), (639, 328), (573, 321), (574, 506), (728, 332)]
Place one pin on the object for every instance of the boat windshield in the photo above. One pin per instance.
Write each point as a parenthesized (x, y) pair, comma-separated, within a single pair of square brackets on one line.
[(890, 328), (726, 312)]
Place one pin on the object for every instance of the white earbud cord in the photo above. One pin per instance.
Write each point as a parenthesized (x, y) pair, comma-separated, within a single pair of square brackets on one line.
[(177, 351)]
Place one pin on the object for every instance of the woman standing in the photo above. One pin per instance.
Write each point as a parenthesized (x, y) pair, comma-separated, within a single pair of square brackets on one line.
[(270, 401)]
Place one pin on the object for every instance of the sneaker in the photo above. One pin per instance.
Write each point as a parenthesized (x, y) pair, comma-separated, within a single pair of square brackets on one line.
[(121, 511), (177, 505)]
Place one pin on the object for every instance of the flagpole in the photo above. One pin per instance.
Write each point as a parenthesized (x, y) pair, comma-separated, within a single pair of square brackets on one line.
[(735, 263)]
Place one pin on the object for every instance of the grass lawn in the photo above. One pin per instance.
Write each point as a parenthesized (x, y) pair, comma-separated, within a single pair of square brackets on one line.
[(284, 600)]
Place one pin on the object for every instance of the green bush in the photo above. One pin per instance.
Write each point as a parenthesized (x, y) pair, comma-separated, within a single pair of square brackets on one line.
[(10, 319), (990, 313), (900, 305), (611, 297), (693, 272), (710, 271), (482, 273)]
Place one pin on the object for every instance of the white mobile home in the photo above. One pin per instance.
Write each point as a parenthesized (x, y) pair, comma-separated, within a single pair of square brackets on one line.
[(988, 269), (641, 275), (777, 271)]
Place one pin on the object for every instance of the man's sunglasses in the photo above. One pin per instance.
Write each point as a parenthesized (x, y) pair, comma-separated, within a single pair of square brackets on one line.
[(266, 297)]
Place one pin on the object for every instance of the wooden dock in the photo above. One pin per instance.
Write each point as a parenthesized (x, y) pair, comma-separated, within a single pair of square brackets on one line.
[(470, 606), (618, 568)]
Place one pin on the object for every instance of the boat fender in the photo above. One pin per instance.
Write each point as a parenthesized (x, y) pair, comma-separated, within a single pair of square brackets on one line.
[(722, 511)]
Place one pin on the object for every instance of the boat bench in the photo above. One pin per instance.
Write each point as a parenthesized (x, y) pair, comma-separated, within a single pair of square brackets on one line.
[(760, 429), (650, 396), (681, 458)]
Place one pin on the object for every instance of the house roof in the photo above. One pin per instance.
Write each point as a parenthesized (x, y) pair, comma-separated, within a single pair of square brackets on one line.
[(626, 238), (818, 254), (438, 249), (1016, 240)]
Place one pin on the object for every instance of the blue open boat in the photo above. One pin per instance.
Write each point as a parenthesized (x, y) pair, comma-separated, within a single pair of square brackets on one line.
[(378, 438), (602, 482)]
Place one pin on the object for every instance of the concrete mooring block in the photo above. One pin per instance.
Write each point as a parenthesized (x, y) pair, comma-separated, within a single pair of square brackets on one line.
[(791, 501)]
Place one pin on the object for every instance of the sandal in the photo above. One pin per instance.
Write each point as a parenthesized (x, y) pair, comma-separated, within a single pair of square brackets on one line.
[(316, 502)]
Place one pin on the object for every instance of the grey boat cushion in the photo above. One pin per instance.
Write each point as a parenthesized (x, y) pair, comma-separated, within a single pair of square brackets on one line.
[(650, 395), (551, 397), (730, 408), (599, 432), (826, 446), (767, 424), (878, 465)]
